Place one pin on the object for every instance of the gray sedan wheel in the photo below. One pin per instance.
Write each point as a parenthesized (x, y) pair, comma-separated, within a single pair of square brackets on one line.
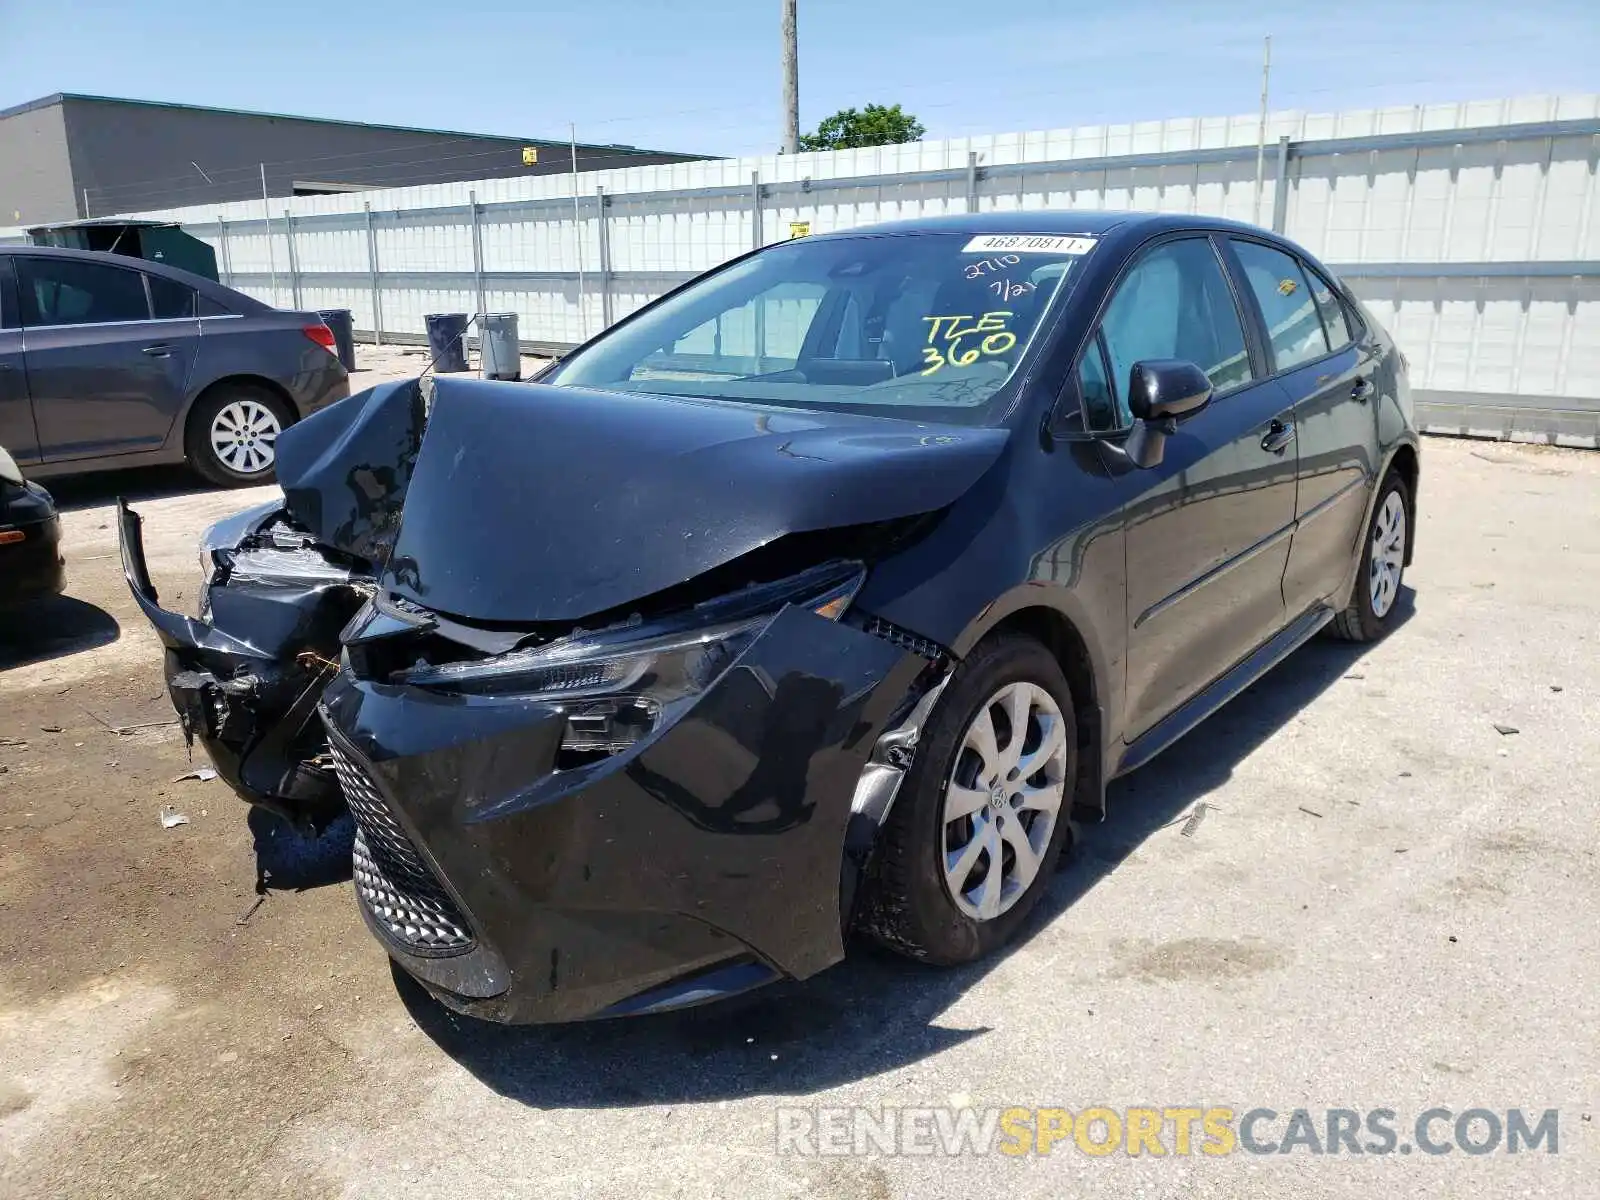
[(233, 435)]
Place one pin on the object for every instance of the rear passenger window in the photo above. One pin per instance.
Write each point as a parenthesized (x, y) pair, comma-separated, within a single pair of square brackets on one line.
[(169, 300), (8, 301), (1280, 288), (1335, 320), (59, 291), (211, 308)]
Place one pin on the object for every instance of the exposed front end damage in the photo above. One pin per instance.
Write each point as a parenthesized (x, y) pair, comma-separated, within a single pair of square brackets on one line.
[(250, 697), (592, 772)]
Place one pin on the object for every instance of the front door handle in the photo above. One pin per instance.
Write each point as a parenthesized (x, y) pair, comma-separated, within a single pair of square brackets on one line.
[(159, 350), (1362, 391), (1277, 438)]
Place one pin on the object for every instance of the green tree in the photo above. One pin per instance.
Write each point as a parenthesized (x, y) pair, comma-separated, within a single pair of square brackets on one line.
[(875, 125)]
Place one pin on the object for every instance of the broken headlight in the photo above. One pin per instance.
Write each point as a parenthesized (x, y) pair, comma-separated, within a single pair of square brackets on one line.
[(615, 684)]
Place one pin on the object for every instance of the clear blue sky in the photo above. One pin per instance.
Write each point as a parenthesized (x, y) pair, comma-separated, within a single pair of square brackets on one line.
[(703, 75)]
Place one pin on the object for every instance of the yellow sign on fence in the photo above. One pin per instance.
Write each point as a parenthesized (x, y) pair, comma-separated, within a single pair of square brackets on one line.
[(530, 155), (799, 228)]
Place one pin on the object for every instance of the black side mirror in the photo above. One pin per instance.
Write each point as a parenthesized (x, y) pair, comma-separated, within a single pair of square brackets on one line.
[(1162, 392)]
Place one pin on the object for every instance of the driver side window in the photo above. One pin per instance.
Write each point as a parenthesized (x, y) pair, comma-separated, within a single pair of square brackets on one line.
[(1174, 303)]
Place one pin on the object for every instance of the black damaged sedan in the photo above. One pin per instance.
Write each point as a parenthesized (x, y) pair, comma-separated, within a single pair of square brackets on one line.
[(813, 597)]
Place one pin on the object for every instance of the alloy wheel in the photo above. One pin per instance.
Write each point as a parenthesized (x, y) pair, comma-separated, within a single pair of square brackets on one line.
[(1388, 554), (1003, 799), (244, 436)]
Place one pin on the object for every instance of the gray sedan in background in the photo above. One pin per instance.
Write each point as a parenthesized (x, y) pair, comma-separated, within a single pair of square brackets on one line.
[(108, 361)]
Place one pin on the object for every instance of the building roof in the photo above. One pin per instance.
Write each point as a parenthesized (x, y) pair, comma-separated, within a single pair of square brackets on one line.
[(61, 97)]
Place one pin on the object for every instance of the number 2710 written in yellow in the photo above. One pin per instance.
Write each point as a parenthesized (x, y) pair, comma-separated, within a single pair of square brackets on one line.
[(997, 340)]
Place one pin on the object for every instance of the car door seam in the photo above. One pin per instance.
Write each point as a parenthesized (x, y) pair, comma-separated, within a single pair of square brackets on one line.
[(1215, 573)]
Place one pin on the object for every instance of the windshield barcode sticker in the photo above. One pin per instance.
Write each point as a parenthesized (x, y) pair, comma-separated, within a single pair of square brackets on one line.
[(1029, 243)]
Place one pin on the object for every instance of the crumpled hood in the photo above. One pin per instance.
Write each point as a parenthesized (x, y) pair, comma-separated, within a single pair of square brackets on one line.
[(530, 503)]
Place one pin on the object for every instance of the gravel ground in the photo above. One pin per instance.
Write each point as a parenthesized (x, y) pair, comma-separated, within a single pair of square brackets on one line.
[(1389, 903)]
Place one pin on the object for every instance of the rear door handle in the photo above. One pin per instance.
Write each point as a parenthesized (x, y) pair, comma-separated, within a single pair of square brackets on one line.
[(159, 350), (1278, 437), (1362, 391)]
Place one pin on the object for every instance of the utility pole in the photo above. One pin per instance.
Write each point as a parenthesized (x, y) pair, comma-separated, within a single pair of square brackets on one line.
[(1261, 130), (791, 80)]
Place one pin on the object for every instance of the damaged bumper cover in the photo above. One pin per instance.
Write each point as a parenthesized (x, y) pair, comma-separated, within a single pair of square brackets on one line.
[(704, 860), (252, 703)]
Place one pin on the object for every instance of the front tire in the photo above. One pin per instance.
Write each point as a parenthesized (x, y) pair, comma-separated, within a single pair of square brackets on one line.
[(233, 434), (983, 813), (1371, 611)]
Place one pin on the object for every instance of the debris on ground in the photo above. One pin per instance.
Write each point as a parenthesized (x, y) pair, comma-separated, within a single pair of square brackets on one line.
[(20, 743), (1310, 811), (124, 730), (251, 911), (1355, 675), (1505, 730), (51, 728), (171, 818), (1193, 823), (203, 774), (1555, 687)]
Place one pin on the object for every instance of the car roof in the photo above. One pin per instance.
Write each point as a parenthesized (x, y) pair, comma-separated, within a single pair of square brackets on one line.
[(1093, 222), (206, 287)]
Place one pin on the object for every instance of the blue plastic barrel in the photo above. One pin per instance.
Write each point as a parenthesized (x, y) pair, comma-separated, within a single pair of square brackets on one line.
[(447, 341)]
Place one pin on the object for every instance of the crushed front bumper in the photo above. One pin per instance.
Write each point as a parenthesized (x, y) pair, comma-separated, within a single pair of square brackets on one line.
[(252, 703), (704, 860)]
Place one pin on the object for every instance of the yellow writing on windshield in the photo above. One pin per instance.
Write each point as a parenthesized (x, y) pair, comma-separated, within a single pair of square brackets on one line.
[(946, 332)]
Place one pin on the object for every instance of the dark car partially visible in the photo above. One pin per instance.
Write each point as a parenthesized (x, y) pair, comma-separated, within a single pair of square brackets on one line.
[(31, 566), (108, 361)]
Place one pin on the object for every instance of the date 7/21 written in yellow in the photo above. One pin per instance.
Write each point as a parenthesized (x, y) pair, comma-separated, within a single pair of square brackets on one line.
[(997, 339)]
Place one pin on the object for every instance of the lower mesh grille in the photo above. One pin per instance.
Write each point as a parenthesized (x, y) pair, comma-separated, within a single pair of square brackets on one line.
[(392, 882)]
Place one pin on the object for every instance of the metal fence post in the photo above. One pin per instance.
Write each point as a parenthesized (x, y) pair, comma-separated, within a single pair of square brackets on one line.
[(294, 259), (477, 255), (756, 240), (372, 270), (1280, 188), (227, 261), (602, 202), (972, 181)]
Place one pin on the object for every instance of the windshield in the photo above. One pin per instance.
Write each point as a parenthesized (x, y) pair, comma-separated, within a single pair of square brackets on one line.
[(928, 327)]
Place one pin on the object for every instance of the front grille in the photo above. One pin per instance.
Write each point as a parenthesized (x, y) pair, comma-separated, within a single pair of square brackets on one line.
[(392, 881)]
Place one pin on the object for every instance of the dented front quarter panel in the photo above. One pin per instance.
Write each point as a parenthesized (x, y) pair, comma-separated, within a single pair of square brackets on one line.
[(719, 836)]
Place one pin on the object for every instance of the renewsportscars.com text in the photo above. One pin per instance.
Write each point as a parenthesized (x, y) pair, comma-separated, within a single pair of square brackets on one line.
[(1179, 1131)]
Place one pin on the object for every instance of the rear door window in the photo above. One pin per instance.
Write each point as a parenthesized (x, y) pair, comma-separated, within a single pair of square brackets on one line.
[(1294, 325), (169, 299), (59, 291), (1335, 318), (8, 297)]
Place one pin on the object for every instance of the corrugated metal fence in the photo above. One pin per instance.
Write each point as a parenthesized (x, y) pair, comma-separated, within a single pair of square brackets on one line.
[(1471, 230)]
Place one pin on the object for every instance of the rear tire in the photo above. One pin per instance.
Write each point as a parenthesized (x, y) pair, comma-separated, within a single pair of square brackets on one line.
[(233, 433), (1371, 611), (971, 843)]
